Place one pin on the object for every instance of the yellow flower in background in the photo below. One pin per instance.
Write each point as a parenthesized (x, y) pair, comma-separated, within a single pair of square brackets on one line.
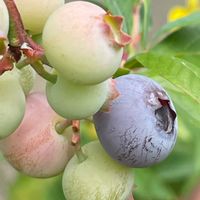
[(180, 11)]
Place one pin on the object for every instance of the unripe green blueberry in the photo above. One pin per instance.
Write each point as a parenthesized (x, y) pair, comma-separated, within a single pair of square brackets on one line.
[(96, 178), (35, 148), (34, 13), (77, 43), (27, 78), (12, 102), (74, 101), (4, 19)]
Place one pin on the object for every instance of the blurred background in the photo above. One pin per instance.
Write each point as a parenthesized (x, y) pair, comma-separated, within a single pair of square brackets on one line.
[(160, 10), (177, 178)]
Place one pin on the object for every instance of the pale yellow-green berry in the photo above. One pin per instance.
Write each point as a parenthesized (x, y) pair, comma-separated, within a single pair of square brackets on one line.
[(34, 13), (4, 19), (74, 101), (12, 102), (97, 178)]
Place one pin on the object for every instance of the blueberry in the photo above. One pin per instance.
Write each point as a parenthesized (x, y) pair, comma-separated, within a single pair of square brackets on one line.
[(140, 128)]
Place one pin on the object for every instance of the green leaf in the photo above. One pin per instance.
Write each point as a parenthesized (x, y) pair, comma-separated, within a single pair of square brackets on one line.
[(186, 105), (1, 156), (194, 18), (132, 63), (121, 72), (193, 175), (184, 43), (149, 186), (123, 8), (181, 74), (178, 165)]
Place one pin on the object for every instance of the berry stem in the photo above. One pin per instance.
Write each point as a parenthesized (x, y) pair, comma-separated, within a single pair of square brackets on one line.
[(16, 34), (45, 61), (62, 125), (23, 63), (39, 68), (2, 46), (81, 156), (27, 61), (76, 126), (76, 141), (20, 42)]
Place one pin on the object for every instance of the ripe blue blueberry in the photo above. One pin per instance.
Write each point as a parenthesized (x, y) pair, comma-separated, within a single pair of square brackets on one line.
[(140, 128)]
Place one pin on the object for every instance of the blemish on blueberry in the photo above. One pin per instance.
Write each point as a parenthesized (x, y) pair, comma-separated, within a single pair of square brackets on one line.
[(165, 116)]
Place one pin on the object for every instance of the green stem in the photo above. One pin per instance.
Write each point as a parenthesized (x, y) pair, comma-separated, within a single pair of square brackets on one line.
[(62, 125), (45, 61), (16, 34), (80, 155), (2, 47), (23, 63), (39, 68), (76, 141), (28, 61), (132, 63), (18, 38)]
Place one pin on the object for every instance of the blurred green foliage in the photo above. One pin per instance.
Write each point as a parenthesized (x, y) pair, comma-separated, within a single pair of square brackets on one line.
[(41, 189)]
